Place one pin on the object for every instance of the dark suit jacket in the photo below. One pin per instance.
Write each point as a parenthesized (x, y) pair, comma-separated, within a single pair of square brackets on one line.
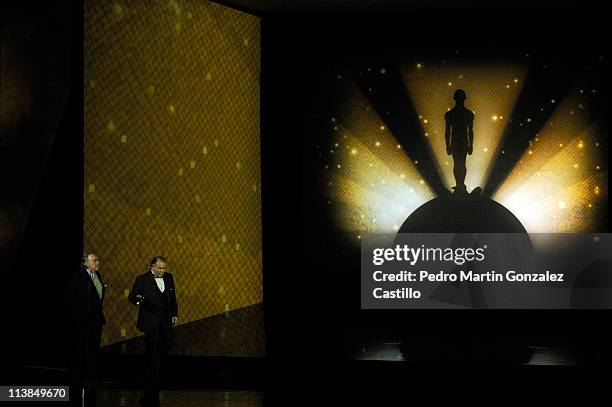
[(83, 302), (157, 307)]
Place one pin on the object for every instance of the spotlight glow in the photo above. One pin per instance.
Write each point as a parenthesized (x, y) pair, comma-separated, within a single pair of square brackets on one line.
[(557, 185), (488, 96), (372, 185)]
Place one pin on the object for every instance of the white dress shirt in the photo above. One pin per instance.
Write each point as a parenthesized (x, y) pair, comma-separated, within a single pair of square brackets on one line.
[(160, 283)]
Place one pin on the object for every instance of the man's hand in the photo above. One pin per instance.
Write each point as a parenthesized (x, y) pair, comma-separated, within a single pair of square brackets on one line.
[(174, 319), (448, 150), (140, 299), (470, 150)]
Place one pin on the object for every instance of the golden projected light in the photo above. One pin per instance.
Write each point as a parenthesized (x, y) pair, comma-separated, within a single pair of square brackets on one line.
[(172, 154), (491, 91), (559, 183), (368, 178)]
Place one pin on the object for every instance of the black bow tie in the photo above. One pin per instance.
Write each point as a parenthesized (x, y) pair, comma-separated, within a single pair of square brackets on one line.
[(159, 277)]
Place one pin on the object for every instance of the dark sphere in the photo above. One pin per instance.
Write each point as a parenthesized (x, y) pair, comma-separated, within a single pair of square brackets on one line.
[(465, 215), (469, 214), (592, 288)]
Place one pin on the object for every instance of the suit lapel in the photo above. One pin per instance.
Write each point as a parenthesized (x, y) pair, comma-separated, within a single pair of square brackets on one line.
[(165, 282)]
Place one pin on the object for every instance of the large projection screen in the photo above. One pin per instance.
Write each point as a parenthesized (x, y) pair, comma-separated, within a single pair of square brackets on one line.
[(172, 157)]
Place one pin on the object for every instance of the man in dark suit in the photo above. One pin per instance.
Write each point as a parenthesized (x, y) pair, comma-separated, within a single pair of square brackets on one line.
[(154, 293), (84, 298)]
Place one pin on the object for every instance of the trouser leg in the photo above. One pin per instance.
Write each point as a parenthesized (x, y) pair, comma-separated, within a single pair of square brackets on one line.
[(167, 338), (94, 336), (84, 360), (158, 344), (86, 345), (78, 353), (153, 359)]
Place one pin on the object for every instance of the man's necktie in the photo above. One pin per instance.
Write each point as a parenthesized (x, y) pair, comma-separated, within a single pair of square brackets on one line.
[(97, 283)]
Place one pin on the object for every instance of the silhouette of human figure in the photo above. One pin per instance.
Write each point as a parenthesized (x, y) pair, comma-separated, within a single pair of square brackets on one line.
[(459, 135)]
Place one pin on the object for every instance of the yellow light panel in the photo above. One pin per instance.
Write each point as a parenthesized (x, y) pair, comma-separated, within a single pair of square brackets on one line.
[(172, 147)]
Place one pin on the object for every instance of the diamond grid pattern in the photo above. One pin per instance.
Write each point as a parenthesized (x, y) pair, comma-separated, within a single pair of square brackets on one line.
[(236, 333), (172, 153)]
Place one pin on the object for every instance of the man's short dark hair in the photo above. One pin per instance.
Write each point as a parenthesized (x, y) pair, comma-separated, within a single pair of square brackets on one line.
[(155, 259)]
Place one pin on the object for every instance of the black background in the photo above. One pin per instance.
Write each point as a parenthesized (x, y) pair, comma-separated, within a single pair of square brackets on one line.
[(50, 179), (311, 312), (311, 274)]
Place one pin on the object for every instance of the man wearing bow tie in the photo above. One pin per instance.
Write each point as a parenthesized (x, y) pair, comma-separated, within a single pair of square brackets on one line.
[(155, 295), (84, 300)]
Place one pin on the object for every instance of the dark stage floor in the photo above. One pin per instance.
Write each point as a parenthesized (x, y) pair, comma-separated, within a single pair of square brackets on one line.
[(184, 398), (383, 370), (374, 367)]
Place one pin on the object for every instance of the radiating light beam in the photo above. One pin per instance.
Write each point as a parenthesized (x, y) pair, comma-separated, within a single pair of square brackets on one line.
[(492, 91), (560, 183), (367, 177)]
